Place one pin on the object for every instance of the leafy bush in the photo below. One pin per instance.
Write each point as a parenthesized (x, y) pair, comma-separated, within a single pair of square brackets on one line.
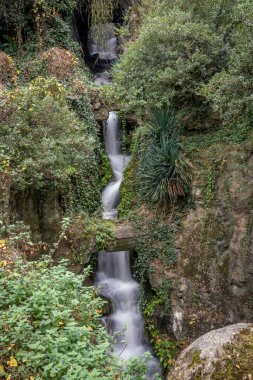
[(47, 145), (166, 349), (37, 22), (165, 173), (50, 327), (231, 90), (170, 59), (8, 73)]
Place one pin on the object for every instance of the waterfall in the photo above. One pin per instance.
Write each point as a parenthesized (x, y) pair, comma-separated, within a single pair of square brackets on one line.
[(118, 162), (114, 279), (103, 42)]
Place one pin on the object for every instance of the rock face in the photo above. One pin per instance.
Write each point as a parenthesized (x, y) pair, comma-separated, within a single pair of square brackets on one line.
[(124, 238), (215, 354), (40, 210), (212, 281)]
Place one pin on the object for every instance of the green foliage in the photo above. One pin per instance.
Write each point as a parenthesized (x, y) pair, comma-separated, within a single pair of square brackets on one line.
[(37, 23), (128, 189), (210, 180), (101, 11), (16, 241), (47, 145), (105, 170), (231, 90), (88, 234), (166, 350), (50, 324), (216, 13), (168, 62), (164, 174), (155, 238), (50, 327)]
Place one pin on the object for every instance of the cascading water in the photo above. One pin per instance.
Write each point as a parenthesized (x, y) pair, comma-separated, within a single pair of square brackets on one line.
[(114, 278), (103, 42), (118, 162)]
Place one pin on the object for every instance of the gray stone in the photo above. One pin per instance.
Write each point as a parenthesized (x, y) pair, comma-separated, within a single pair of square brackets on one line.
[(203, 353)]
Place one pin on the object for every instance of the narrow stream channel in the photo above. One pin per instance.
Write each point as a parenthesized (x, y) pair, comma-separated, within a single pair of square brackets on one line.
[(114, 279)]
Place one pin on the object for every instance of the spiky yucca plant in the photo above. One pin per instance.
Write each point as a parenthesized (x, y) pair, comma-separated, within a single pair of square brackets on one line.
[(165, 173)]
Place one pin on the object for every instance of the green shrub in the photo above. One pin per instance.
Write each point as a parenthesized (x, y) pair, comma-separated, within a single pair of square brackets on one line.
[(47, 145), (231, 90), (37, 23), (167, 63), (50, 327), (165, 174)]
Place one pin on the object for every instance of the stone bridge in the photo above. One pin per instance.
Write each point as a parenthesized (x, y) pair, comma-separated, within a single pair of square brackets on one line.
[(124, 238), (80, 251)]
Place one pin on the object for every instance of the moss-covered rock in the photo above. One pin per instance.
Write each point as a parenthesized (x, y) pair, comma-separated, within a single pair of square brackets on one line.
[(215, 242), (223, 354)]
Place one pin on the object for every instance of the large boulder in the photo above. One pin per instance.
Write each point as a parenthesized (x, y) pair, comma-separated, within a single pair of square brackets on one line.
[(223, 354)]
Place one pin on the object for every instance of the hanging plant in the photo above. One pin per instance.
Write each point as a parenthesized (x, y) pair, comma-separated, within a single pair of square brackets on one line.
[(101, 11)]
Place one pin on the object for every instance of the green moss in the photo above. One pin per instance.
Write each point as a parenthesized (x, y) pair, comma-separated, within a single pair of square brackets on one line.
[(236, 361), (196, 142), (196, 360), (128, 189), (105, 170), (89, 234)]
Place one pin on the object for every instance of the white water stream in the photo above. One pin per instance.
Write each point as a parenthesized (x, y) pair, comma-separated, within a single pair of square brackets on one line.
[(114, 279)]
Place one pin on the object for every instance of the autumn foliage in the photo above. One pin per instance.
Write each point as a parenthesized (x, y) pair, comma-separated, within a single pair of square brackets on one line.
[(60, 63), (8, 72)]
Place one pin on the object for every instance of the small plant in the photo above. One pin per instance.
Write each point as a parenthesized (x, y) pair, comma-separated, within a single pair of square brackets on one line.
[(8, 72), (165, 349), (165, 173), (16, 242)]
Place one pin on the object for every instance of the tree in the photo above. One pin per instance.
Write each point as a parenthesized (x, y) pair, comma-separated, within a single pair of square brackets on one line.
[(230, 91), (172, 57)]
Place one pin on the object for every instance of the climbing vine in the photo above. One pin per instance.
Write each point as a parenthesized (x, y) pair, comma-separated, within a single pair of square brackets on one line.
[(167, 350)]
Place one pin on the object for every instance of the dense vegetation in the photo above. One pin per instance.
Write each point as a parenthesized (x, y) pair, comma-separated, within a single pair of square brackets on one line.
[(192, 59), (185, 76), (52, 329), (189, 55), (187, 58)]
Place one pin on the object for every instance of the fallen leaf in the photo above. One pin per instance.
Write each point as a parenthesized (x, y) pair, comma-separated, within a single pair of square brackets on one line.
[(12, 362)]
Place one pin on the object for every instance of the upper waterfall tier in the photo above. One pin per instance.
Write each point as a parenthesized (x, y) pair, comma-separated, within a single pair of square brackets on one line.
[(118, 162), (103, 42)]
